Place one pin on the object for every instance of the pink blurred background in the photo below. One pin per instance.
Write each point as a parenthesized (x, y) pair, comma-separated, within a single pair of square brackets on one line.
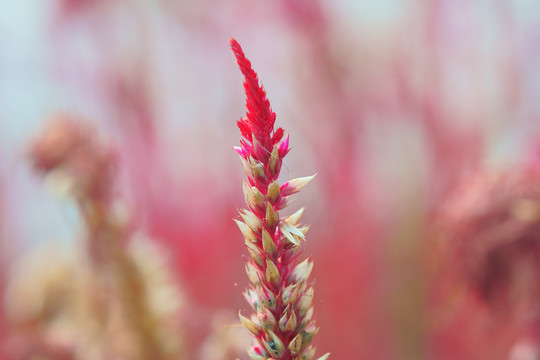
[(391, 103)]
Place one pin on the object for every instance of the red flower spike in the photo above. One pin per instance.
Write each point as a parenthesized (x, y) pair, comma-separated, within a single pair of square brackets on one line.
[(260, 118), (273, 243)]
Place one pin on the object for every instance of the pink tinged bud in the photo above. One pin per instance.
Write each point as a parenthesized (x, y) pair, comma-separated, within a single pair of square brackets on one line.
[(294, 218), (304, 304), (274, 163), (284, 147), (295, 185), (275, 345), (246, 231), (268, 243), (252, 273), (296, 344), (302, 271), (272, 273), (250, 325), (251, 220), (246, 147), (324, 357), (290, 294), (240, 151), (273, 193), (272, 217)]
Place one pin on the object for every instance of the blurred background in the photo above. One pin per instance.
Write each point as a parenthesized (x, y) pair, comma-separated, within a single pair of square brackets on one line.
[(392, 103)]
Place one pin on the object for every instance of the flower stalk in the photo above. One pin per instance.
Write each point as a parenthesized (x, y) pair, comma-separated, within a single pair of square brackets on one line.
[(280, 293)]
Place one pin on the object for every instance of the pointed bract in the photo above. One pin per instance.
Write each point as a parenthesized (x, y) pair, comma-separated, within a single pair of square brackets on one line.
[(246, 231), (293, 186), (273, 162), (275, 345), (296, 344), (272, 217), (250, 325), (252, 273), (302, 271), (273, 194), (258, 197), (291, 324), (272, 273), (285, 230), (268, 244), (295, 217), (290, 294)]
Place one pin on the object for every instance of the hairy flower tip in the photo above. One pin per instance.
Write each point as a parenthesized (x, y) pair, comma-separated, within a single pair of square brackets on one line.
[(69, 146), (279, 293), (492, 231), (260, 118)]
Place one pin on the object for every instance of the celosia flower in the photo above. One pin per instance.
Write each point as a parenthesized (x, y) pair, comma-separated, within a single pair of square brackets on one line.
[(280, 293), (492, 226), (70, 147), (122, 301)]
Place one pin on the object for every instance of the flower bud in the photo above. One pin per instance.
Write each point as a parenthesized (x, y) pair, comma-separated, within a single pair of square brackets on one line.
[(274, 193), (296, 344), (272, 273), (273, 162), (275, 345), (268, 243), (272, 217), (302, 271), (295, 185)]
